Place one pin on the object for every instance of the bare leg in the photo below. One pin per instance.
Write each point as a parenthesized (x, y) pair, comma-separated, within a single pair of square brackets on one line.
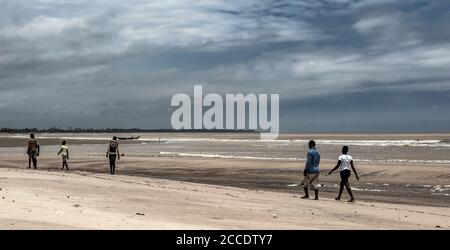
[(316, 192), (341, 189), (112, 163), (306, 193), (349, 190), (34, 159)]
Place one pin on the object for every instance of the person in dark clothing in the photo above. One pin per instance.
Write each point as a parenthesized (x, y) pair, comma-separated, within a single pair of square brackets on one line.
[(113, 154), (345, 161), (33, 151)]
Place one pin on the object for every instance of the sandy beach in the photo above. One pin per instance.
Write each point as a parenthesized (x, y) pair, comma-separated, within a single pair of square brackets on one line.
[(164, 191), (222, 112), (80, 200)]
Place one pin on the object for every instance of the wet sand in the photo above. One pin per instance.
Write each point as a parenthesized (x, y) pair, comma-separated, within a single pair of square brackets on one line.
[(398, 183), (388, 195)]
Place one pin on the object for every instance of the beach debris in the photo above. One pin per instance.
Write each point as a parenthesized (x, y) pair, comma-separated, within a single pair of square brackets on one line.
[(141, 214), (234, 196), (13, 201), (274, 216), (438, 226), (68, 197), (440, 188), (77, 205), (292, 185)]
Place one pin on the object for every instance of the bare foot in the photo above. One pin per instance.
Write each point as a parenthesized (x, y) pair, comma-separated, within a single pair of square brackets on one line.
[(351, 200), (304, 197), (337, 198), (316, 199)]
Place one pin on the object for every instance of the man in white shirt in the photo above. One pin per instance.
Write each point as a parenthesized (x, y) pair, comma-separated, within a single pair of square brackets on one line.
[(345, 161)]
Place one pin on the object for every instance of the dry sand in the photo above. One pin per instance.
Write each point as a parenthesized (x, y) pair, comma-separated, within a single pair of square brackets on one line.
[(43, 199)]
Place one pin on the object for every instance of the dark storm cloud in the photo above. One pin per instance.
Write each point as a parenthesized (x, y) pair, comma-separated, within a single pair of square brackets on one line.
[(118, 63), (378, 111)]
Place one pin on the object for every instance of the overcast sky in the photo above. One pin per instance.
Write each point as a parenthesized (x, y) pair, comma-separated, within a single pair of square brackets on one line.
[(338, 65)]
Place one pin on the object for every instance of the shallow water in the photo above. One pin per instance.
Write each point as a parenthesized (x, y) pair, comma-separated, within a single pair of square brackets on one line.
[(402, 151)]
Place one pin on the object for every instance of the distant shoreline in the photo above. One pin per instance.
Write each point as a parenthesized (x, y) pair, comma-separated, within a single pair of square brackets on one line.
[(119, 130), (187, 131)]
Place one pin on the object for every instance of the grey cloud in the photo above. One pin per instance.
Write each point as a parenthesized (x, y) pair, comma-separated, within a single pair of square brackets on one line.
[(97, 63)]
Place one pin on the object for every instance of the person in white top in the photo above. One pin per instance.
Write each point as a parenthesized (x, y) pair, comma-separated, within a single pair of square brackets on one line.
[(65, 155), (345, 161)]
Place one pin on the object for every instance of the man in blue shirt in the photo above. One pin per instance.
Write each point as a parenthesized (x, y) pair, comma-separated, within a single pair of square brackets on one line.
[(311, 171)]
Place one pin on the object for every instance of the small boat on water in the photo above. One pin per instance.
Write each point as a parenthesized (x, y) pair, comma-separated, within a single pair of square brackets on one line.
[(129, 138)]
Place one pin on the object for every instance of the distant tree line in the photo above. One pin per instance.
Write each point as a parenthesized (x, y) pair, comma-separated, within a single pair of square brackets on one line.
[(118, 130)]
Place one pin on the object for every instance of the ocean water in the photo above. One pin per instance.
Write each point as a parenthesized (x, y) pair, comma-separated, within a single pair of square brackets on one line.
[(422, 151)]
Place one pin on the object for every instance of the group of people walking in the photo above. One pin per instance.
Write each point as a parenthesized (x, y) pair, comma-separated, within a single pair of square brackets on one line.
[(33, 151), (311, 171)]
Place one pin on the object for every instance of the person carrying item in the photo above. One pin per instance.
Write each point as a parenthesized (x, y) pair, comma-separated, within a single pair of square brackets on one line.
[(312, 171), (113, 154)]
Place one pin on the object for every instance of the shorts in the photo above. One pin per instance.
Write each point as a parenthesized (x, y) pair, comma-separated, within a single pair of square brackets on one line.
[(32, 154), (65, 157), (311, 181), (345, 174), (112, 158)]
